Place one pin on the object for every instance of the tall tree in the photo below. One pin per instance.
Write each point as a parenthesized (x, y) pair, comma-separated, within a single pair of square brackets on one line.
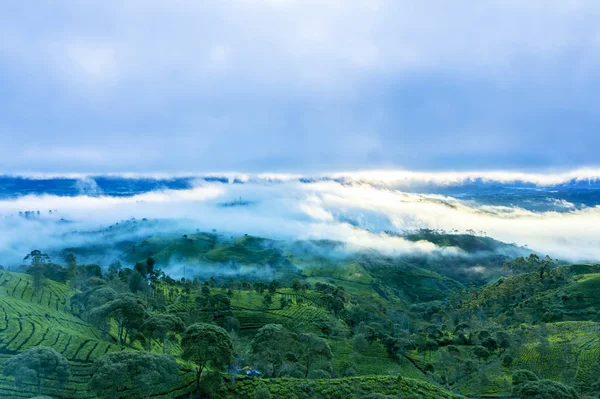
[(144, 372), (270, 346), (114, 269), (206, 344), (161, 326), (37, 363), (71, 261), (127, 310), (37, 267), (313, 349), (530, 264)]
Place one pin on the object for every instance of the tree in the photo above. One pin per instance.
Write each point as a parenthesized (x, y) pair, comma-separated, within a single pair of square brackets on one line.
[(71, 261), (283, 302), (150, 262), (334, 303), (217, 304), (480, 352), (37, 363), (504, 340), (270, 345), (91, 299), (490, 344), (136, 282), (547, 389), (262, 393), (231, 324), (161, 326), (313, 349), (220, 305), (267, 300), (532, 263), (520, 378), (114, 269), (428, 346), (145, 372), (206, 344), (299, 285), (273, 286), (37, 267), (127, 310)]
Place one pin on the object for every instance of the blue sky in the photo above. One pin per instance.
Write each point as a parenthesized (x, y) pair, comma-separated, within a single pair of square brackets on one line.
[(298, 85)]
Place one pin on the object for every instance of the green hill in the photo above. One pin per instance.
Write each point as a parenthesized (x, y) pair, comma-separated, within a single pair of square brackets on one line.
[(44, 318), (29, 319)]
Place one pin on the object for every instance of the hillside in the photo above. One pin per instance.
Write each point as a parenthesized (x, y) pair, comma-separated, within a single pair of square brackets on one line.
[(31, 319), (391, 325)]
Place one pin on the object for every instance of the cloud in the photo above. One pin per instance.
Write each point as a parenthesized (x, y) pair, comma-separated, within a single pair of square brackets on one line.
[(358, 214), (295, 86), (276, 42)]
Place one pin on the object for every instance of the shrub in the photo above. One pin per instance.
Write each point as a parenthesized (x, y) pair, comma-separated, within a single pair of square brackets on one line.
[(319, 375), (262, 393), (377, 396), (349, 372), (453, 350), (211, 383), (547, 389), (507, 361), (481, 352), (520, 378)]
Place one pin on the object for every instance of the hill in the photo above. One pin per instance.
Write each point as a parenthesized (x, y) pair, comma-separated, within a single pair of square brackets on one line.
[(392, 325)]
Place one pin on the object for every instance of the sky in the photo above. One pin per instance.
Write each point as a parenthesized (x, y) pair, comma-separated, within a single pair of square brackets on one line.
[(298, 85)]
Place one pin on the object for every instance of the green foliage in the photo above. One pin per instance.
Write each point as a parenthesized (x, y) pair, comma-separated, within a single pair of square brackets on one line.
[(262, 393), (37, 266), (35, 364), (547, 389), (206, 344), (357, 387), (270, 347), (403, 315), (127, 310), (142, 372), (530, 264), (313, 350), (161, 326)]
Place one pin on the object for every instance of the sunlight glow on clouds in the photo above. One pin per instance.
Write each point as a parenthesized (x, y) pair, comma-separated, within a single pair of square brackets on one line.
[(357, 214)]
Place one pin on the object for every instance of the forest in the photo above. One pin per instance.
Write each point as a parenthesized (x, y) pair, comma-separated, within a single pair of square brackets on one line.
[(249, 317)]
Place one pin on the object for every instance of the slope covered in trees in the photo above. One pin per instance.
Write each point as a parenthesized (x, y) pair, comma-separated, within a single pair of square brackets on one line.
[(281, 319)]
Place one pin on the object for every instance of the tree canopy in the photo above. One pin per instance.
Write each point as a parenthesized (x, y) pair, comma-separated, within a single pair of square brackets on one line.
[(206, 344), (161, 325), (144, 372), (37, 363), (127, 310), (270, 346), (313, 349)]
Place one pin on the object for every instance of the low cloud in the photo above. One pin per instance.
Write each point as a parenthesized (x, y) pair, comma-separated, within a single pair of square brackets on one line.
[(357, 214)]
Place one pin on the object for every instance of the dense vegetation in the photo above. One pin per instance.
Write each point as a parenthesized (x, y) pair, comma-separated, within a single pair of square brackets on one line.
[(257, 318)]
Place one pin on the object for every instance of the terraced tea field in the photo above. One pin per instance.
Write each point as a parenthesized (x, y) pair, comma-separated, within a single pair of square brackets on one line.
[(248, 307), (29, 319), (356, 387), (572, 347)]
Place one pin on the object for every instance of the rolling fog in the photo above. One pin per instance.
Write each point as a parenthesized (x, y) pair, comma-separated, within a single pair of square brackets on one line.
[(281, 207)]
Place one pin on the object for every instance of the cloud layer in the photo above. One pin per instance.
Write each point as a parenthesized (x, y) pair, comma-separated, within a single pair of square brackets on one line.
[(357, 214)]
